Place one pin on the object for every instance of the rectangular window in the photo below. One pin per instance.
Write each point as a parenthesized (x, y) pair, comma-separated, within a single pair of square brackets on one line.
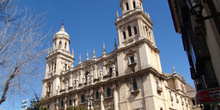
[(110, 71), (124, 34), (135, 86), (132, 59), (83, 98), (127, 6), (108, 92), (97, 95), (70, 102), (62, 104), (65, 66)]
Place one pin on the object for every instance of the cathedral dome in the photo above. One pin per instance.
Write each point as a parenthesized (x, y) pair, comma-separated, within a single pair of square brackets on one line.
[(61, 33)]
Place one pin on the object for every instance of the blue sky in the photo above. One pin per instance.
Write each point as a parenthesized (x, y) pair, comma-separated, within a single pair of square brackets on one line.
[(90, 23)]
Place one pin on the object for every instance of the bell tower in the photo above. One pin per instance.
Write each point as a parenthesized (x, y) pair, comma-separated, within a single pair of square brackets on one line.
[(133, 25), (129, 5), (58, 59), (135, 35)]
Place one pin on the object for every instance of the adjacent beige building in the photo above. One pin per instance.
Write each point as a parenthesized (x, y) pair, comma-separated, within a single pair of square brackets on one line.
[(128, 78)]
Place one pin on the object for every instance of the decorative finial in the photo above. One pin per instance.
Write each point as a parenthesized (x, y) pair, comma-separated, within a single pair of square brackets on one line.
[(63, 22), (117, 16), (87, 55), (73, 52), (104, 49), (94, 53), (115, 44), (80, 59), (174, 71), (62, 27)]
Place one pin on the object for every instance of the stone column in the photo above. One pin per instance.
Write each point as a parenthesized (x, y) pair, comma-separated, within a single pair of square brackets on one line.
[(80, 76), (73, 102), (65, 103), (76, 99), (57, 105), (104, 72), (95, 72), (91, 79), (61, 84), (71, 80), (102, 99), (115, 97)]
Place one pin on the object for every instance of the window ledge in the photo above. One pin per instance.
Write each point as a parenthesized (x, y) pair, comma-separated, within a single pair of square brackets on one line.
[(62, 90), (135, 91), (110, 97), (80, 85), (97, 79), (96, 100), (107, 76), (70, 88), (82, 103), (132, 65)]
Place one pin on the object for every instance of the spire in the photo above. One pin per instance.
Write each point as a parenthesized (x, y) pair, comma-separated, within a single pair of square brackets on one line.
[(115, 44), (104, 49), (80, 59), (174, 71), (62, 27), (117, 16), (48, 51), (94, 53), (73, 52), (87, 55)]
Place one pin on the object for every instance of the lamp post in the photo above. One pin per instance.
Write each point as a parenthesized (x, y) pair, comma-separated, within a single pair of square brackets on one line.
[(90, 102)]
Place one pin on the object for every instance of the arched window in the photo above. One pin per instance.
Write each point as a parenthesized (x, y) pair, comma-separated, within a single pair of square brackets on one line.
[(194, 102), (55, 67), (60, 44), (108, 92), (110, 71), (124, 34), (132, 60), (86, 76), (146, 30), (55, 44), (61, 104), (49, 88), (70, 102), (157, 84), (127, 6), (134, 4), (129, 31), (135, 30), (135, 85), (65, 45), (65, 66), (83, 98), (97, 95), (52, 66)]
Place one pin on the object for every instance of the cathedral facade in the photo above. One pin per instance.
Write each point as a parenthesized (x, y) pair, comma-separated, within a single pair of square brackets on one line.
[(128, 78)]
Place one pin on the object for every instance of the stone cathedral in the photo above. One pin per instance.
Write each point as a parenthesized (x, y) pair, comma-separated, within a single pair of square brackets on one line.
[(128, 78)]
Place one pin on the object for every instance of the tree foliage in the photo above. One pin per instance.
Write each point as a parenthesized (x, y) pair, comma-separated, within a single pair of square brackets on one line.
[(37, 104), (22, 46)]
